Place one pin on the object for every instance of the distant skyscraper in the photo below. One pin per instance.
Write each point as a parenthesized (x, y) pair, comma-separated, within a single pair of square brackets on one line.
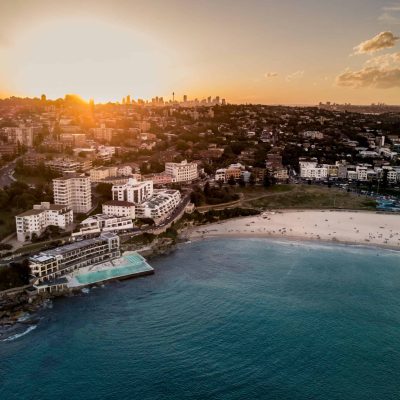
[(43, 97), (217, 99), (209, 99), (184, 98), (128, 99)]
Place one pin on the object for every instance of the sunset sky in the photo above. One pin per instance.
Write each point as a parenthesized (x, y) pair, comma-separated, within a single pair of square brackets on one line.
[(271, 51)]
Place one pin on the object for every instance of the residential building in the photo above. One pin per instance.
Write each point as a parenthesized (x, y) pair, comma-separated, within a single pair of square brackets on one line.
[(182, 172), (103, 223), (73, 191), (42, 215), (159, 179), (160, 206), (103, 133), (119, 208), (311, 170), (133, 191), (100, 173), (69, 165), (220, 175), (22, 135)]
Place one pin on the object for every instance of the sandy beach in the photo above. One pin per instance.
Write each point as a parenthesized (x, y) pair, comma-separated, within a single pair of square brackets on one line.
[(351, 227)]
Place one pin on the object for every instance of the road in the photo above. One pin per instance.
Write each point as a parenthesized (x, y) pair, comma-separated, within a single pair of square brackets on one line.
[(5, 174)]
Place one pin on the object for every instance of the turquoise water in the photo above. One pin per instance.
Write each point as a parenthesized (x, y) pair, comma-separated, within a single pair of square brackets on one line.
[(134, 264), (222, 319)]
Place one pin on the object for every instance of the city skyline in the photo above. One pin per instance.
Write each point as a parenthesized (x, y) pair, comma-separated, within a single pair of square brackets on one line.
[(270, 53)]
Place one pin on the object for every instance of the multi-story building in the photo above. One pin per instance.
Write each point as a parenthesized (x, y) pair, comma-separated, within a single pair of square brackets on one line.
[(281, 174), (133, 191), (103, 223), (160, 206), (42, 215), (105, 153), (182, 172), (159, 179), (20, 135), (103, 133), (69, 165), (49, 265), (100, 173), (8, 149), (234, 171), (220, 175), (119, 208), (73, 191), (311, 170)]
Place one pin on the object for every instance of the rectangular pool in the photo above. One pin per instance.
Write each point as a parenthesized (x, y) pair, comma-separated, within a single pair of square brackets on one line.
[(134, 264)]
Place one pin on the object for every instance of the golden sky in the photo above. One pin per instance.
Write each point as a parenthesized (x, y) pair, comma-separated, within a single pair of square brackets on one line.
[(271, 51)]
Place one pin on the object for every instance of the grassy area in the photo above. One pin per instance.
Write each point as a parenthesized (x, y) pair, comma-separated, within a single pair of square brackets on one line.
[(252, 192), (313, 197)]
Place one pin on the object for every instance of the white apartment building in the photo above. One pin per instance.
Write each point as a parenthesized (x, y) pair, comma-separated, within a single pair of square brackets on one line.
[(55, 263), (73, 191), (220, 174), (103, 223), (182, 172), (160, 206), (119, 208), (42, 215), (311, 170), (362, 173), (133, 191)]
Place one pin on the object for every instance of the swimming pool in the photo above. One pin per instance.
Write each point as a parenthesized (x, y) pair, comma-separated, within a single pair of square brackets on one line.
[(135, 264)]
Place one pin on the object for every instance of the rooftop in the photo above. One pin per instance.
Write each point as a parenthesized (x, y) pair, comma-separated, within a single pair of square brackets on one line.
[(120, 203)]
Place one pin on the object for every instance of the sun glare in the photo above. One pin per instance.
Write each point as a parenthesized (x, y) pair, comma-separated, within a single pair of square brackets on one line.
[(94, 59)]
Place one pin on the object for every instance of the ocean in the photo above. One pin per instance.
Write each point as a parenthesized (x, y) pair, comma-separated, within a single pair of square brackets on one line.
[(222, 319)]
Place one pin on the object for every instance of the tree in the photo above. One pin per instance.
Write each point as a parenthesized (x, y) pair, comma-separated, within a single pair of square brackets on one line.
[(207, 189), (252, 179), (104, 190), (231, 181)]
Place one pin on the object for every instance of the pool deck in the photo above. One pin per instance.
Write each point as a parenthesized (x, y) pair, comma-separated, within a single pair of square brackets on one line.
[(138, 264)]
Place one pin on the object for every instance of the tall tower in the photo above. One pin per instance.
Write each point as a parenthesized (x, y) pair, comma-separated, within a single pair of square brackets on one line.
[(173, 96)]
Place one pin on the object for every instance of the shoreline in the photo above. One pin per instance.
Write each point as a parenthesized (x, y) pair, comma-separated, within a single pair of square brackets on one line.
[(352, 228), (294, 239)]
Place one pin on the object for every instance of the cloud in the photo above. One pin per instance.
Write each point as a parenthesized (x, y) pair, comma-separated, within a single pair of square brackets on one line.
[(384, 61), (295, 75), (373, 77), (383, 40), (271, 74)]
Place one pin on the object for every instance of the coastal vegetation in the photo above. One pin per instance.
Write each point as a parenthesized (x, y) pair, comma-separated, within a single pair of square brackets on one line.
[(212, 195), (15, 274)]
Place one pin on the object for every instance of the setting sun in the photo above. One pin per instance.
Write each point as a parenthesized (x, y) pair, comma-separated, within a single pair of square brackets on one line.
[(95, 59)]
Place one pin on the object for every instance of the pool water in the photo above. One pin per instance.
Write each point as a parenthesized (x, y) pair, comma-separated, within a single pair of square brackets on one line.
[(134, 264)]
